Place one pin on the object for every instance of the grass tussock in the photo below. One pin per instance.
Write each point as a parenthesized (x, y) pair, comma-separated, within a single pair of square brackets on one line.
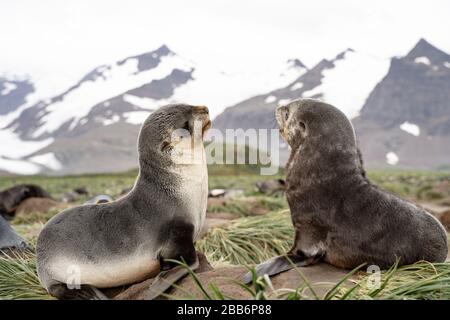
[(248, 206), (18, 278), (422, 280), (249, 240), (36, 217), (419, 281)]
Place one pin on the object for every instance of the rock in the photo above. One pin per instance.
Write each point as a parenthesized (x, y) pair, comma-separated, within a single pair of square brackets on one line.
[(321, 277), (271, 187), (138, 291), (103, 198), (70, 197), (38, 205), (83, 191), (216, 202), (9, 239), (214, 193), (225, 193), (11, 198)]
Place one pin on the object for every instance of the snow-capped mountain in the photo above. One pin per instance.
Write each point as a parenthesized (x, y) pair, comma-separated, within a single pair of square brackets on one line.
[(345, 81), (106, 95), (93, 125), (400, 107), (406, 119)]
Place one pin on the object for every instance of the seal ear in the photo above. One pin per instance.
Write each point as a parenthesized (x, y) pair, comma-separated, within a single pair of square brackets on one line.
[(302, 127)]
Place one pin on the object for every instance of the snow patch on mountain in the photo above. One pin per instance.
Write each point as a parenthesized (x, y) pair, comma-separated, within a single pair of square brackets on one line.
[(392, 158), (8, 87), (48, 160), (136, 117), (13, 147), (218, 90), (144, 103), (350, 82), (115, 118), (410, 128), (18, 166), (296, 86), (113, 80), (423, 60), (270, 99), (283, 102)]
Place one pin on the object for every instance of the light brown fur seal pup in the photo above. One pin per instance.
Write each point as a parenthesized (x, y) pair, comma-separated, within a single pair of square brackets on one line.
[(339, 216), (129, 240)]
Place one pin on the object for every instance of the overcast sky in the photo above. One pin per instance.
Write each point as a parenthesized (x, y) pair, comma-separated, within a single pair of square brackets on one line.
[(65, 39)]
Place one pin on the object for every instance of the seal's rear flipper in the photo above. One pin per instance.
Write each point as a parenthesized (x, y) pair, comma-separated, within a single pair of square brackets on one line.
[(86, 292), (281, 264), (166, 279)]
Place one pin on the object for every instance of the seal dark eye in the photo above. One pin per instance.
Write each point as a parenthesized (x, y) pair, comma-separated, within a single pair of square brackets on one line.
[(286, 114)]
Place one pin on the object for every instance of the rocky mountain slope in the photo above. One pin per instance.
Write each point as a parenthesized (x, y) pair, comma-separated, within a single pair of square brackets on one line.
[(93, 125), (346, 80), (406, 118), (13, 93), (400, 109)]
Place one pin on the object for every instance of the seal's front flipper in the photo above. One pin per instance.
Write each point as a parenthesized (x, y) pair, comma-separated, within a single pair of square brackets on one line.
[(166, 279), (180, 247), (281, 264), (10, 240), (60, 291)]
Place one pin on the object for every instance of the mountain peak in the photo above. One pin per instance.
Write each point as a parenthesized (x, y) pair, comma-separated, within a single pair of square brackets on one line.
[(343, 53), (296, 63), (425, 49), (150, 59), (163, 50)]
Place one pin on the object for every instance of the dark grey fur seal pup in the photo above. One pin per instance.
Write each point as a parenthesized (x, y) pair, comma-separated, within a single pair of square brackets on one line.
[(9, 239), (338, 215), (128, 240), (11, 198)]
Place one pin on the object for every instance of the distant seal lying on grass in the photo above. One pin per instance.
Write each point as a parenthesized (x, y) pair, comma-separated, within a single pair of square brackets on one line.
[(130, 239), (11, 198), (338, 215)]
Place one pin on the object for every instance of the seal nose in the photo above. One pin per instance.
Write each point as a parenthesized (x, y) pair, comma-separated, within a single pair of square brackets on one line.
[(201, 109)]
